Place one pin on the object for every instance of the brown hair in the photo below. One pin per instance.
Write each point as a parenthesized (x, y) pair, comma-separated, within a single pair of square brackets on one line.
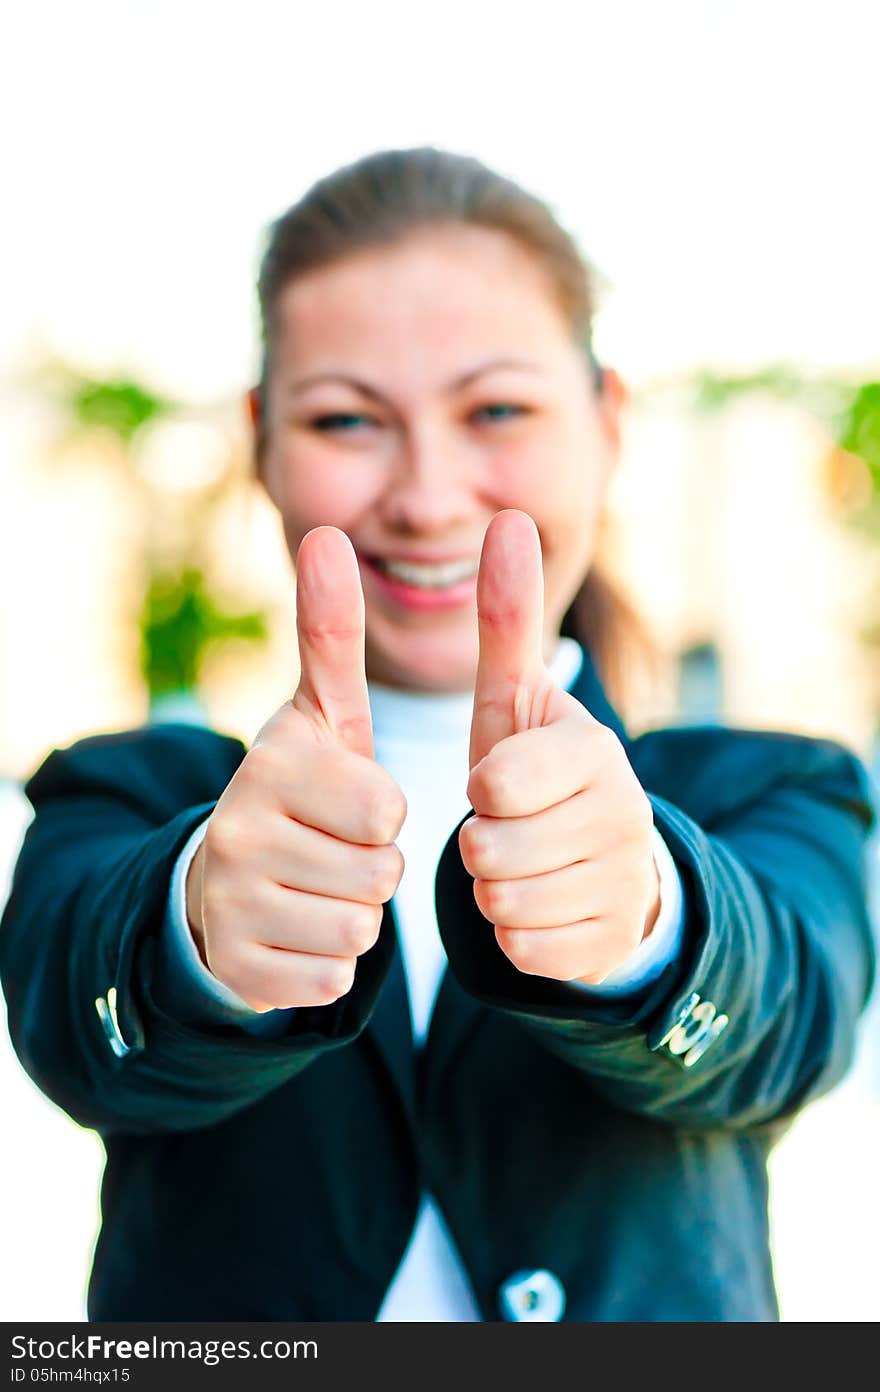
[(381, 198)]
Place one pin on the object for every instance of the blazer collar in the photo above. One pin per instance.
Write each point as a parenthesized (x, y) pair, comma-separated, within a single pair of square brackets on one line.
[(588, 689), (413, 1076)]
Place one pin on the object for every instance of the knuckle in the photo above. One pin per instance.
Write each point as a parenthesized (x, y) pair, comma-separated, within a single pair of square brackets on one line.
[(501, 785), (260, 769), (360, 929), (399, 863), (353, 730), (502, 898), (336, 978), (476, 848), (518, 946), (223, 838), (478, 791), (386, 871), (401, 808), (384, 810), (492, 899), (241, 848)]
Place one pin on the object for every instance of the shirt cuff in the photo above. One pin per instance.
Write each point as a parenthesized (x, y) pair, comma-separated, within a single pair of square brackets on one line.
[(662, 944), (187, 988)]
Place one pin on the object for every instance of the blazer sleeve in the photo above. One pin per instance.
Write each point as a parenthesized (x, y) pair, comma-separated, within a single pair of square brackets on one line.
[(80, 938), (770, 834)]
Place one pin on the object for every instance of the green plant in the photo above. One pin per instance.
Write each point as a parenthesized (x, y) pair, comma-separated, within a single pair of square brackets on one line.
[(115, 404), (178, 622)]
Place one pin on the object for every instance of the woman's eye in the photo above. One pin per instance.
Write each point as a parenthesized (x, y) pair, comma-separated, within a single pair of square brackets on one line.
[(500, 410), (347, 422), (338, 420)]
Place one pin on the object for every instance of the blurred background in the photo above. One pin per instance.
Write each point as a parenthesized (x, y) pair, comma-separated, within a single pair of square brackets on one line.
[(714, 163)]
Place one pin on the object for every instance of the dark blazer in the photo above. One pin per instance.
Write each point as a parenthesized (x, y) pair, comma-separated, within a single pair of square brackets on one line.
[(254, 1178)]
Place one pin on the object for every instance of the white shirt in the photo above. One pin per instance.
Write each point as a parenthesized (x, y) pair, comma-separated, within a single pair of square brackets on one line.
[(430, 1283)]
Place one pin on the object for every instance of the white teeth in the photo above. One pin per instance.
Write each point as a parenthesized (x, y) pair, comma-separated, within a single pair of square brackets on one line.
[(430, 576)]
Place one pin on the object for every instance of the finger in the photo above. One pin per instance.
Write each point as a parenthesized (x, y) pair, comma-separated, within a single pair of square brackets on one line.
[(543, 766), (330, 629), (508, 848), (280, 851), (268, 978), (584, 890), (344, 794), (297, 921), (511, 676), (587, 951)]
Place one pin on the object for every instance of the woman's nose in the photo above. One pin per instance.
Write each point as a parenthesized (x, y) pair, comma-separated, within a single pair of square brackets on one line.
[(432, 484)]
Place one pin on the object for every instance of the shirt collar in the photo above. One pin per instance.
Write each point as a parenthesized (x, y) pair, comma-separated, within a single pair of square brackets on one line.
[(401, 714)]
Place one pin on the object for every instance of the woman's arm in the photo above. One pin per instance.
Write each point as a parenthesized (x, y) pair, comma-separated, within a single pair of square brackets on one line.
[(80, 936), (769, 835)]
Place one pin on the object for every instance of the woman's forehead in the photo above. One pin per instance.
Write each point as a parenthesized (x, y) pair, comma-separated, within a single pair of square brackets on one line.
[(452, 297)]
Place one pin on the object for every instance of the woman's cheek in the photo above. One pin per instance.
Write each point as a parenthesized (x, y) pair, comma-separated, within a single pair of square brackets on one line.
[(317, 491)]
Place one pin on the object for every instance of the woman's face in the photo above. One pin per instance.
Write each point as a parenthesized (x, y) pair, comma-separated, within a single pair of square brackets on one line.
[(416, 390)]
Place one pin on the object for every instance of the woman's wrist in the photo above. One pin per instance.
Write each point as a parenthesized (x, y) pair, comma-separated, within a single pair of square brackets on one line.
[(654, 911)]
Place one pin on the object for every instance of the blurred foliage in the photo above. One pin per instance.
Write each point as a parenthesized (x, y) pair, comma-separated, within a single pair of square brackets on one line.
[(859, 431), (851, 412), (858, 436), (712, 390), (115, 404), (182, 614), (179, 620)]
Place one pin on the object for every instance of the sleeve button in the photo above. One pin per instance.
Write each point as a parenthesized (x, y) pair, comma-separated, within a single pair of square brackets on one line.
[(106, 1008), (696, 1027)]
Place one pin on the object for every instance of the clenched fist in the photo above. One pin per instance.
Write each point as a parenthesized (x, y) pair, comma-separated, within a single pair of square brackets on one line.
[(288, 885), (561, 848)]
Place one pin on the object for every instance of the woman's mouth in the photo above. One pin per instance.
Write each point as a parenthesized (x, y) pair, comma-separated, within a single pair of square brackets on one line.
[(421, 584)]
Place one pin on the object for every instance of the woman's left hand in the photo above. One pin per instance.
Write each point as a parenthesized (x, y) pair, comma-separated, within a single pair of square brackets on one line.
[(561, 847)]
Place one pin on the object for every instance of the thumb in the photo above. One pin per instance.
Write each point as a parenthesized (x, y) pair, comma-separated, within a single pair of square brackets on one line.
[(512, 680), (330, 630)]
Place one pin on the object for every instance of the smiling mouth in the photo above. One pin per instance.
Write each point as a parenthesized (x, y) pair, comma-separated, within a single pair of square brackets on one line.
[(423, 575)]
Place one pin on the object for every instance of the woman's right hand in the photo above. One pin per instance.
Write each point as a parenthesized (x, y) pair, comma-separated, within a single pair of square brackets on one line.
[(288, 885)]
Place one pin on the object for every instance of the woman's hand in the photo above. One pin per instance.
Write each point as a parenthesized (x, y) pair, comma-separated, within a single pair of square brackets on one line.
[(561, 846), (287, 887)]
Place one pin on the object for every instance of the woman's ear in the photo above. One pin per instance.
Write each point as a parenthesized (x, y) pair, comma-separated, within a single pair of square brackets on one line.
[(612, 400), (254, 408)]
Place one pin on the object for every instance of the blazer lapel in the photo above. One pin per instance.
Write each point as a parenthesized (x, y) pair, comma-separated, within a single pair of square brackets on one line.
[(590, 692), (455, 1013), (389, 1025)]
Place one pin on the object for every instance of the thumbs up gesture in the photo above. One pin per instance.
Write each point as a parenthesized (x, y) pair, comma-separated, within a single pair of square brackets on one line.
[(287, 887), (561, 846)]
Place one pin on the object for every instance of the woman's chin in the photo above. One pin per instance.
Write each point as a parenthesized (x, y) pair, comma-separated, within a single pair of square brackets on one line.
[(420, 663)]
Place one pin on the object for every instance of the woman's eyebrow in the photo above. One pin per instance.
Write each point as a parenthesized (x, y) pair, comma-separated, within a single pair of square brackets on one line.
[(518, 364)]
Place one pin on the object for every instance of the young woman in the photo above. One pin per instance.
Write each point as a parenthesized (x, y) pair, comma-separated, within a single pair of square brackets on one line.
[(445, 999)]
